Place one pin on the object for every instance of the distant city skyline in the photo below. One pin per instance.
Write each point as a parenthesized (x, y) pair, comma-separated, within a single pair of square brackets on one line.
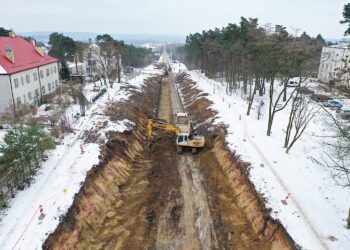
[(180, 17)]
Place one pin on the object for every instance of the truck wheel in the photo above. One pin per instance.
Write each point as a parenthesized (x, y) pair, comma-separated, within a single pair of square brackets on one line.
[(194, 151), (179, 150)]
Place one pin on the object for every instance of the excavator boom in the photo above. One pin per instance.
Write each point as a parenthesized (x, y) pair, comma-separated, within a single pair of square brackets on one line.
[(161, 124)]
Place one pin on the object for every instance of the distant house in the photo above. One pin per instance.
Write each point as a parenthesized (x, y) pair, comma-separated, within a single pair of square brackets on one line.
[(26, 73), (333, 59), (78, 71)]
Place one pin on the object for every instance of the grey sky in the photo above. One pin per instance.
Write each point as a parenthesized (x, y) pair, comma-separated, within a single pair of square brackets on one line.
[(169, 17)]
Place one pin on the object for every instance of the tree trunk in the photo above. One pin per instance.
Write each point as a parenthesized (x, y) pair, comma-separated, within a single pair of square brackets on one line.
[(289, 127), (251, 96), (269, 124), (245, 83), (285, 82), (76, 63)]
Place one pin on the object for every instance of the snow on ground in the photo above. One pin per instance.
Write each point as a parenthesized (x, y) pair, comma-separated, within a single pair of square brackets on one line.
[(317, 208), (2, 135), (61, 176)]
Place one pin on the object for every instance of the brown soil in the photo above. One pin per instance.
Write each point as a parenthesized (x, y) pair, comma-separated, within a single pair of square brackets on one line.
[(139, 198), (241, 219)]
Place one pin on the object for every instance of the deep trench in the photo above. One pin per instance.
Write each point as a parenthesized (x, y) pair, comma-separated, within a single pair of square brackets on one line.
[(142, 198)]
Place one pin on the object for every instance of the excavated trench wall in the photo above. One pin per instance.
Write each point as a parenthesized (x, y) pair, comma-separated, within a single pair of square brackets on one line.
[(124, 199), (113, 209), (228, 186)]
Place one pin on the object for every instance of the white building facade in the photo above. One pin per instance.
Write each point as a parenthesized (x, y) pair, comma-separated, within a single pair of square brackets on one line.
[(25, 74), (333, 60)]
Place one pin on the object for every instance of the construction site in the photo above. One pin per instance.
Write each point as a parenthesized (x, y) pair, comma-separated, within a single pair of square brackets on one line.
[(187, 125), (151, 191)]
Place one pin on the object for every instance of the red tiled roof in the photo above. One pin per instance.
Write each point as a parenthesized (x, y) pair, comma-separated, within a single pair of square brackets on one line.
[(26, 57)]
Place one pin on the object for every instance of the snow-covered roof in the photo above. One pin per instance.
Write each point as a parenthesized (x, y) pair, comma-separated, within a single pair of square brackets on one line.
[(2, 70)]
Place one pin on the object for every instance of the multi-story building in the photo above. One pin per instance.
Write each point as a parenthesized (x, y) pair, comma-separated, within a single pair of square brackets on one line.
[(333, 60), (26, 73)]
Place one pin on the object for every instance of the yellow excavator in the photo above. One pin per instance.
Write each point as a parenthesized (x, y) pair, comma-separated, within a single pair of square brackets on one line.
[(184, 140)]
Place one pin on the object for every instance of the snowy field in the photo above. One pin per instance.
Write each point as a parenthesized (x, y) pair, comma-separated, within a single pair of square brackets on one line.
[(317, 207), (62, 175)]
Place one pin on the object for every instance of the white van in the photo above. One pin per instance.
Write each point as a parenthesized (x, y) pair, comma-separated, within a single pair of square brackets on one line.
[(292, 83)]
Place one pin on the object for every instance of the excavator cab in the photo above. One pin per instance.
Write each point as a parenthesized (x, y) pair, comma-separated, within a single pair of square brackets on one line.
[(182, 140), (185, 139)]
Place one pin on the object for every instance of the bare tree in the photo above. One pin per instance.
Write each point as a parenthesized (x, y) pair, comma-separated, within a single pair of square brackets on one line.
[(302, 112), (338, 150), (252, 95), (79, 54), (103, 60), (259, 108), (118, 54), (274, 106)]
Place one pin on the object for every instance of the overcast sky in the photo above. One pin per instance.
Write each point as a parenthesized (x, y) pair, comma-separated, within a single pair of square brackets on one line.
[(169, 17)]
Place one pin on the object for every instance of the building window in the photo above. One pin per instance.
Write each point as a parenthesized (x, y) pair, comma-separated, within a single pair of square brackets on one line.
[(36, 92), (30, 97), (15, 81), (43, 89), (47, 72), (49, 86), (51, 71), (19, 101), (27, 78), (35, 76), (56, 83), (22, 80), (41, 74), (54, 69)]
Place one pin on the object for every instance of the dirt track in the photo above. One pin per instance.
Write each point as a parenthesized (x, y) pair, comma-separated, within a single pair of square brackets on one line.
[(195, 227), (141, 199)]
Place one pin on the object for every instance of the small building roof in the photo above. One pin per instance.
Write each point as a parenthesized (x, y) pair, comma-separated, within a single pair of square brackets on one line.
[(25, 56)]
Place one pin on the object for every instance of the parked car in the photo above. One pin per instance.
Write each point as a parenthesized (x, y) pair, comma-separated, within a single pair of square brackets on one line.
[(344, 112), (292, 83), (332, 103)]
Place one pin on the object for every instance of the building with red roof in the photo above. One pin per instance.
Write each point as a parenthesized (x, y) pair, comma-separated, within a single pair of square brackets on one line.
[(26, 73)]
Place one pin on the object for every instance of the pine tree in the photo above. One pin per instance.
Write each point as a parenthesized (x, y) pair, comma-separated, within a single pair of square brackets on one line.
[(346, 15)]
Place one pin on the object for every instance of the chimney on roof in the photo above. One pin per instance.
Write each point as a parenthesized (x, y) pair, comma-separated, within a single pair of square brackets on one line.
[(9, 53), (12, 34), (39, 50)]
